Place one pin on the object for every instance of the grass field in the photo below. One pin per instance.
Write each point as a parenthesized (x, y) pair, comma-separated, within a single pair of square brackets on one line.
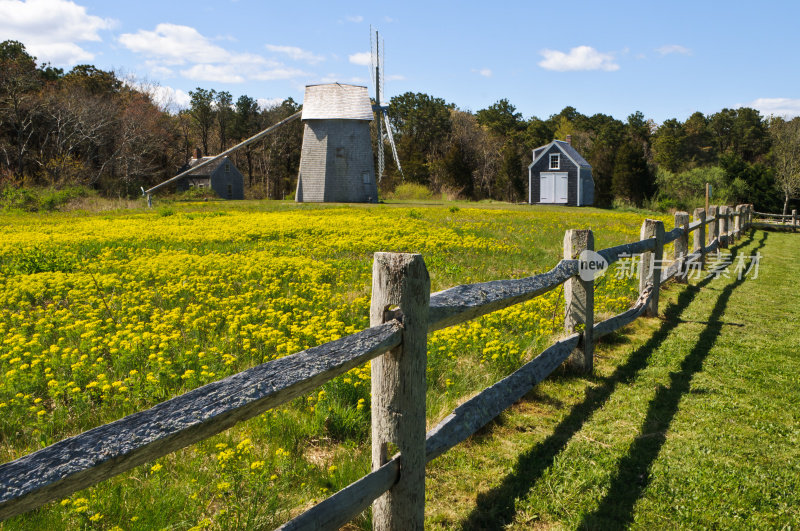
[(106, 314)]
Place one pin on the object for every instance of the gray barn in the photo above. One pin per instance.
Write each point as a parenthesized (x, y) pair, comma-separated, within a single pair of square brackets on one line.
[(336, 163), (559, 175), (221, 176)]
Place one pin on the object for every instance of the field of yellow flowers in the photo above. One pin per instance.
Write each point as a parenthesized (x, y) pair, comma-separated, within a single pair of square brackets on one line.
[(103, 315)]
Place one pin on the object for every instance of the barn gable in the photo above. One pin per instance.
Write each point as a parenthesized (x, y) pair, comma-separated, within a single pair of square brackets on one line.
[(559, 175), (222, 176)]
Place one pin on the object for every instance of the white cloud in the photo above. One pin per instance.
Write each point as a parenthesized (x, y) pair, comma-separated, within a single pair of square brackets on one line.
[(673, 48), (174, 44), (395, 77), (266, 103), (278, 73), (219, 73), (485, 72), (50, 29), (784, 107), (355, 18), (361, 58), (171, 45), (578, 58), (171, 98), (297, 54)]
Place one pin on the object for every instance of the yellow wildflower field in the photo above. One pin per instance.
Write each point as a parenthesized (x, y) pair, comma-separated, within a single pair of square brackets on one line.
[(103, 315)]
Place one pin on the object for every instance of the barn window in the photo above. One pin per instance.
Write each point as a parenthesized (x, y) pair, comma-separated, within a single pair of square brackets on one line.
[(227, 167), (365, 177), (555, 161), (230, 191)]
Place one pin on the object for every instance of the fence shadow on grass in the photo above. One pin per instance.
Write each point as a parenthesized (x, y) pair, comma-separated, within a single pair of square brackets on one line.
[(496, 507), (633, 473)]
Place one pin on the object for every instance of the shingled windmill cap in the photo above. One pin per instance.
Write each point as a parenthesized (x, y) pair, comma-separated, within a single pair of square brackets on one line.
[(336, 101)]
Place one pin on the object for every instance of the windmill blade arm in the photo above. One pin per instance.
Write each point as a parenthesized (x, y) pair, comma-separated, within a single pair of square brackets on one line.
[(391, 143)]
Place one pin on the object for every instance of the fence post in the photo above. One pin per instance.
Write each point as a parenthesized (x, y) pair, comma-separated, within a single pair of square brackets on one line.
[(579, 299), (794, 220), (651, 263), (398, 387), (682, 245), (712, 227), (723, 226), (700, 235)]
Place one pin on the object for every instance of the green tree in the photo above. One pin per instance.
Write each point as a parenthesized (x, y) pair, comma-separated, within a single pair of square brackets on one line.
[(224, 111), (668, 150), (201, 109), (422, 124), (632, 180), (501, 118)]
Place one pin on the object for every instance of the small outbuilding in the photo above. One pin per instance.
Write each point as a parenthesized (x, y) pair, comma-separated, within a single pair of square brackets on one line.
[(221, 176), (560, 175)]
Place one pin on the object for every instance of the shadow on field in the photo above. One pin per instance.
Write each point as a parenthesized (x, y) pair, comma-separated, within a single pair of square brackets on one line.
[(496, 507)]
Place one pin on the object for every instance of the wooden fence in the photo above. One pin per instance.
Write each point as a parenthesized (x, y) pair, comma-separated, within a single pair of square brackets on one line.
[(403, 312), (788, 222)]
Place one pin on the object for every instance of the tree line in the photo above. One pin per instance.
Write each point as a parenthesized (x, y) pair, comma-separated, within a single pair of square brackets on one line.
[(90, 127)]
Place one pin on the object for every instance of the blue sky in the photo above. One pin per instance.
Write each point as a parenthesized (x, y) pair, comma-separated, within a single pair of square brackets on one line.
[(666, 59)]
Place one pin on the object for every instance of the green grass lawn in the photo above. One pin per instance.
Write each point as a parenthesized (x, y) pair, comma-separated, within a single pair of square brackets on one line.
[(691, 421)]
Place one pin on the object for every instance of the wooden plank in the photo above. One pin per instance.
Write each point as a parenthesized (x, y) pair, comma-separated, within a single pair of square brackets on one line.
[(479, 410), (675, 233), (462, 303), (399, 388), (579, 303), (612, 254), (696, 223), (771, 226), (103, 452), (618, 321), (335, 511)]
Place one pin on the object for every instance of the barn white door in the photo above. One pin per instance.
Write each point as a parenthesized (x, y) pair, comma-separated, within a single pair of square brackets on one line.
[(547, 188), (553, 187), (561, 188)]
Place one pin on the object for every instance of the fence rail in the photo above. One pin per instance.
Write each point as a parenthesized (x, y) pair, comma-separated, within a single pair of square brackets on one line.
[(788, 222), (396, 342)]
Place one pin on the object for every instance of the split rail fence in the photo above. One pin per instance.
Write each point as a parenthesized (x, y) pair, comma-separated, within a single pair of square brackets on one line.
[(403, 312), (788, 222)]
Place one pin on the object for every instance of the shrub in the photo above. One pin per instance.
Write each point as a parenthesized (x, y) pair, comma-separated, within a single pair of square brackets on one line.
[(412, 191)]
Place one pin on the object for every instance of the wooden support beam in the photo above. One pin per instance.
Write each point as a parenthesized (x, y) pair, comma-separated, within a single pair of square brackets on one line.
[(579, 303), (399, 386)]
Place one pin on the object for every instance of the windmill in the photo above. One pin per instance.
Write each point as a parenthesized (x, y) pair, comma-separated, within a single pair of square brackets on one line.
[(382, 109)]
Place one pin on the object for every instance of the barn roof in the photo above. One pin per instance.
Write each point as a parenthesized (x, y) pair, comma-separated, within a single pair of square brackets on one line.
[(206, 170), (566, 148), (336, 101)]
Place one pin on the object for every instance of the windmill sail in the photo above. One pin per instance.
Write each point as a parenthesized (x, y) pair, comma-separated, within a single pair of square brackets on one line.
[(381, 109)]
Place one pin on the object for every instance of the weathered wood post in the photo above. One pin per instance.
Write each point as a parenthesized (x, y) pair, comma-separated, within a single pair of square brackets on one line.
[(700, 235), (712, 227), (794, 220), (579, 299), (682, 245), (398, 387), (651, 263), (723, 226)]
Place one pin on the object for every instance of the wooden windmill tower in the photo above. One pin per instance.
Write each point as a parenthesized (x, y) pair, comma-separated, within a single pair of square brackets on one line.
[(336, 160)]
